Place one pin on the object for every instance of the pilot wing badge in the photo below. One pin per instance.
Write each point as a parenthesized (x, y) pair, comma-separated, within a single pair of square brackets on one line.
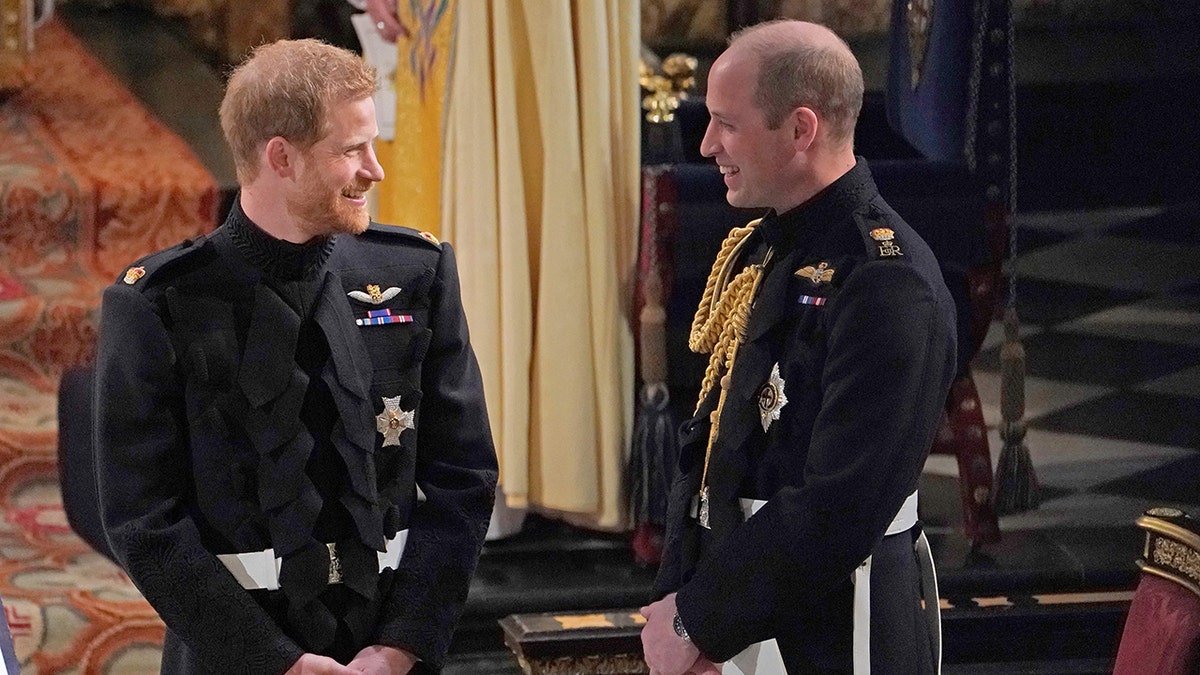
[(373, 295), (820, 274)]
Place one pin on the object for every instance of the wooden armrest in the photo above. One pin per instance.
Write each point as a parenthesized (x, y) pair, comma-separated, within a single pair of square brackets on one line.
[(1172, 548)]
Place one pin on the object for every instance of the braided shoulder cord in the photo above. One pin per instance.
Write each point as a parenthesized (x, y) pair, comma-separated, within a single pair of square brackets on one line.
[(706, 324), (734, 314), (724, 310), (737, 299)]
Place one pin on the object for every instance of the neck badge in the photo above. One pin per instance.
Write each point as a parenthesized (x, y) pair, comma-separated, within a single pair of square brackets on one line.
[(771, 398), (393, 421), (375, 296)]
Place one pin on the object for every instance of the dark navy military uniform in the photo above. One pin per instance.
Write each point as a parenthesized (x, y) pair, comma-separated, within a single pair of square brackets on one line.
[(853, 311), (240, 406)]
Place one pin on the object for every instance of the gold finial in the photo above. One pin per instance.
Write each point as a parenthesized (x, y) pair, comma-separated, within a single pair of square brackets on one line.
[(668, 89)]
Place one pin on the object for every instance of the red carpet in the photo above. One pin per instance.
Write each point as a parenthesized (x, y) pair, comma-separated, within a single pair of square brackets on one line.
[(89, 181)]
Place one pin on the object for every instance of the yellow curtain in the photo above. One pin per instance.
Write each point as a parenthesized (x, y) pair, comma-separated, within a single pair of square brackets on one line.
[(540, 198), (413, 187)]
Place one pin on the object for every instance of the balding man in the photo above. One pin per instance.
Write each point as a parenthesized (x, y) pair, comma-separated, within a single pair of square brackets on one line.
[(792, 523), (293, 454)]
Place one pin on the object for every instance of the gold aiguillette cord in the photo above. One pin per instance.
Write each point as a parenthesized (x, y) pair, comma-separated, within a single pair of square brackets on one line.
[(735, 303)]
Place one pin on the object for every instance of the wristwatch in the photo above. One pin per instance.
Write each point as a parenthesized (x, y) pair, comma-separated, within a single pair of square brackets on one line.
[(677, 624)]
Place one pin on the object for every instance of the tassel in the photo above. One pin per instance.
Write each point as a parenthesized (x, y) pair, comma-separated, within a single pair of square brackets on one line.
[(1016, 482)]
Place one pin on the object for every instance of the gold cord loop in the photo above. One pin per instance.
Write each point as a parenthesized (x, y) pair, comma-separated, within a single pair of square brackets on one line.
[(720, 327), (724, 310)]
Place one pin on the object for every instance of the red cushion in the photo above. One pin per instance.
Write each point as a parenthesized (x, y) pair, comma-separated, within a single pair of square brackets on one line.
[(1162, 631)]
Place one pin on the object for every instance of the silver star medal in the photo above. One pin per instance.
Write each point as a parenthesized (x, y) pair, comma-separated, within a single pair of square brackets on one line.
[(393, 421), (771, 398)]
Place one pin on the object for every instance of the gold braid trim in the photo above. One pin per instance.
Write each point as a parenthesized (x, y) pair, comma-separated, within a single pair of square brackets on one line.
[(724, 311), (706, 327)]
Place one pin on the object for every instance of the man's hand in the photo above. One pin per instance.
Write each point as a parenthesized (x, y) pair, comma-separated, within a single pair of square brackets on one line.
[(379, 660), (312, 664), (703, 666), (386, 19), (666, 653)]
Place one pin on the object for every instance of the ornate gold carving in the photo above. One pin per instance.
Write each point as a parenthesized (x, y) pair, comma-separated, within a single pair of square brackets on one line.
[(1172, 549), (611, 664), (668, 89), (1176, 556), (1169, 529)]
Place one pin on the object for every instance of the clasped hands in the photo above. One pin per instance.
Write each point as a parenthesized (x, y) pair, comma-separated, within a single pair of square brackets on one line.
[(665, 652), (374, 660)]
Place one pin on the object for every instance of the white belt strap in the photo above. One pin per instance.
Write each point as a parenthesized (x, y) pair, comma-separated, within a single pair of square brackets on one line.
[(862, 608), (905, 519), (763, 658), (259, 570), (933, 602), (760, 658)]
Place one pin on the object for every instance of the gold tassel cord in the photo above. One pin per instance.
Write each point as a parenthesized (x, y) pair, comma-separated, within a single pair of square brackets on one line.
[(724, 309), (706, 327), (1016, 482), (720, 327), (734, 312)]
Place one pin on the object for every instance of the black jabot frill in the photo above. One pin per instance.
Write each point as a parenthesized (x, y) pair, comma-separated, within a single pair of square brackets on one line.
[(309, 420)]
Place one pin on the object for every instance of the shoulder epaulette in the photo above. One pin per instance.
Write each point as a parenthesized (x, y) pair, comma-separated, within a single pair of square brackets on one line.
[(399, 230), (881, 240), (141, 272)]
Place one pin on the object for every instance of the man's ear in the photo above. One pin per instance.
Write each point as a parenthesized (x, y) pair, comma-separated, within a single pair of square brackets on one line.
[(805, 125), (279, 157)]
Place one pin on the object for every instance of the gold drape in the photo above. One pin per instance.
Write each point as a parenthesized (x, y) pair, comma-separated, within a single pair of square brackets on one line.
[(413, 159), (540, 198)]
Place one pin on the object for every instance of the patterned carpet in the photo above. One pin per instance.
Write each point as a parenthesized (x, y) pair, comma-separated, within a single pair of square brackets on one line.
[(89, 181)]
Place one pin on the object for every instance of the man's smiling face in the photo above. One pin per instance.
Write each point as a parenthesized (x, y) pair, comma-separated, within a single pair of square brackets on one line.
[(755, 159), (334, 174)]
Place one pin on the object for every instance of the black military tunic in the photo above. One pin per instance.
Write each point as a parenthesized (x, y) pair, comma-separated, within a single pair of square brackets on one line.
[(238, 387), (854, 315)]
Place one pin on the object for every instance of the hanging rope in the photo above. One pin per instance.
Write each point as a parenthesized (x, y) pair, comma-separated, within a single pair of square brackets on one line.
[(1016, 482)]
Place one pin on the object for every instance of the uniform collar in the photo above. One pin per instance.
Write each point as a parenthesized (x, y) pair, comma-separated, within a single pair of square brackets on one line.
[(795, 227), (277, 258)]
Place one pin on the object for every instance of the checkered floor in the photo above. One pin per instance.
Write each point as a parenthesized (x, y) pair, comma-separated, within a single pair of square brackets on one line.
[(1110, 310)]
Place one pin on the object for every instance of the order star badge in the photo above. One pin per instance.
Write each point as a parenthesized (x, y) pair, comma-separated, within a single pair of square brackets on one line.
[(771, 398), (393, 421)]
